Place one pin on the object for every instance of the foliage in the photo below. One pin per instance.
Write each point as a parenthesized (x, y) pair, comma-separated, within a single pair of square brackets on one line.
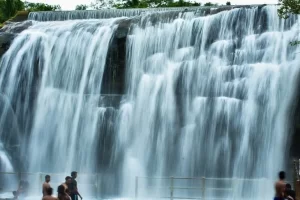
[(210, 4), (33, 7), (100, 4), (294, 43), (9, 8), (81, 7), (288, 7), (228, 3)]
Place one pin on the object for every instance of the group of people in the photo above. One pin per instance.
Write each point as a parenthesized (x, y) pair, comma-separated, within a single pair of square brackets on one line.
[(283, 189), (66, 191)]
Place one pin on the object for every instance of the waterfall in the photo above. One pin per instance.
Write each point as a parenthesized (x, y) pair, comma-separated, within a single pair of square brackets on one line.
[(209, 97), (208, 94), (67, 61)]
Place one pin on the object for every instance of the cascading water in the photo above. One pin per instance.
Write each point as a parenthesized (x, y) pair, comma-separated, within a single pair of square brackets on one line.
[(63, 64), (206, 96)]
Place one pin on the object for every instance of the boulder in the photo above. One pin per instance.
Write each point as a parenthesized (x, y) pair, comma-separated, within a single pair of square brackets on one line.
[(5, 41), (16, 27)]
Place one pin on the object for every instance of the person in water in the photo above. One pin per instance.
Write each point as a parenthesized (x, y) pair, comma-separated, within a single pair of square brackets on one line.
[(48, 194), (61, 193), (19, 190), (290, 194), (73, 187), (67, 182), (46, 184), (22, 190), (280, 187)]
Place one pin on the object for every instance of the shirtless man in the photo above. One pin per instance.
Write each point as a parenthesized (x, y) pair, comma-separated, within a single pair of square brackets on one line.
[(68, 182), (280, 186), (48, 195), (46, 184), (73, 187)]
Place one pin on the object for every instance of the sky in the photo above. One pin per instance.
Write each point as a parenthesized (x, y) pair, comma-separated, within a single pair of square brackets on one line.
[(71, 4)]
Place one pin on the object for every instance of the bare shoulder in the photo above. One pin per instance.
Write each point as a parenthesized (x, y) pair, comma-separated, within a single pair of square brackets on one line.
[(45, 184), (49, 198), (280, 183)]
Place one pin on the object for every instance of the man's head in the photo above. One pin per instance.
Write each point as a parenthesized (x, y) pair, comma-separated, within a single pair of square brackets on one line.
[(288, 186), (74, 174), (68, 180), (49, 191), (281, 175), (47, 178)]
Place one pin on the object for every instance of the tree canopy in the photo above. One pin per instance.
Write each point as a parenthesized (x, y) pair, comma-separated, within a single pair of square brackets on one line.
[(288, 7), (8, 8), (41, 7), (81, 7), (100, 4)]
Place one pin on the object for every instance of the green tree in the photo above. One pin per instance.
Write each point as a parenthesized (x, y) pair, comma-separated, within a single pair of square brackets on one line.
[(210, 4), (81, 7), (32, 7), (288, 7), (228, 3), (9, 8), (99, 4)]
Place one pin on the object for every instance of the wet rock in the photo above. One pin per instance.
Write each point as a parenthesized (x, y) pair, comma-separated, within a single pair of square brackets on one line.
[(123, 28), (5, 41), (110, 100), (16, 27), (11, 28), (113, 81)]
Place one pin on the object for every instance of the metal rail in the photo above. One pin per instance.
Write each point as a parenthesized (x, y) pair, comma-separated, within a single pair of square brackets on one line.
[(230, 188)]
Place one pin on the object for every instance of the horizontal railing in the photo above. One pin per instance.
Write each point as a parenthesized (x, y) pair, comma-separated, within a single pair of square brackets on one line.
[(145, 187), (203, 187)]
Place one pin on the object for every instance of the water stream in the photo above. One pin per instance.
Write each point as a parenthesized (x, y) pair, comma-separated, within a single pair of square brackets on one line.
[(206, 96)]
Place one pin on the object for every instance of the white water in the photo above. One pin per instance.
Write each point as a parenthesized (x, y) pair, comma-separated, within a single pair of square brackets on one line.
[(206, 96), (70, 59), (209, 96)]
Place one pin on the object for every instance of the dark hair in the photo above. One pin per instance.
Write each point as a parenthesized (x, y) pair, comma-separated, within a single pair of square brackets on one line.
[(288, 186), (68, 177), (61, 189), (281, 175), (47, 176), (49, 191), (73, 173)]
